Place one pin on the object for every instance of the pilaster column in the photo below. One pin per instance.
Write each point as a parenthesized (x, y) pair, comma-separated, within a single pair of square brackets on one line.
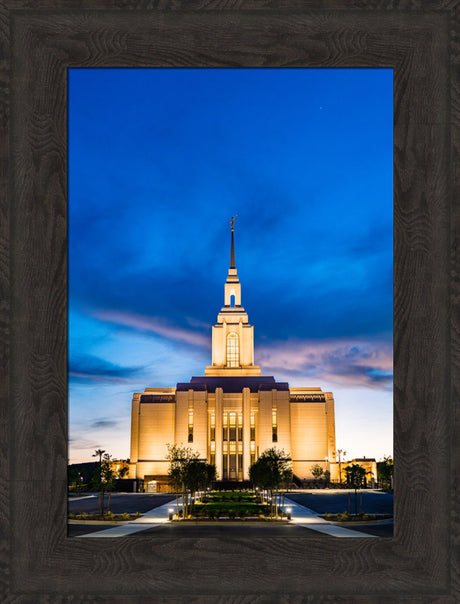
[(219, 402), (246, 432)]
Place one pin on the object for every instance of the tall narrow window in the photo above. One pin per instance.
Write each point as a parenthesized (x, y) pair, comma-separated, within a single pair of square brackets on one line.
[(232, 461), (253, 452), (232, 300), (274, 426), (225, 460), (212, 427), (240, 426), (233, 350), (240, 461), (224, 427), (190, 426), (212, 457), (232, 426), (253, 426)]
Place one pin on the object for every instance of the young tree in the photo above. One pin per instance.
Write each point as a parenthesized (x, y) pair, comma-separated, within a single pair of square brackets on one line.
[(188, 474), (103, 479), (96, 479), (178, 458), (211, 474), (108, 477), (356, 476), (285, 482), (175, 472), (317, 470), (385, 470), (270, 472)]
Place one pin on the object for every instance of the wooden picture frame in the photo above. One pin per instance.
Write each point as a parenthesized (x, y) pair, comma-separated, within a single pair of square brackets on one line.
[(39, 42)]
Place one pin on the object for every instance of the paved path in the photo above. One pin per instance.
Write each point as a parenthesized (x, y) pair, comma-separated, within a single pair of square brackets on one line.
[(158, 515), (309, 519)]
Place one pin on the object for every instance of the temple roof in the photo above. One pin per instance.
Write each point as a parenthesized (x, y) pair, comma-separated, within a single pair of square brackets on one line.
[(232, 384)]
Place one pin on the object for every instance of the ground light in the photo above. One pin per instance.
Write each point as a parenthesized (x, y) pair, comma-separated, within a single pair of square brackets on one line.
[(288, 513), (170, 513)]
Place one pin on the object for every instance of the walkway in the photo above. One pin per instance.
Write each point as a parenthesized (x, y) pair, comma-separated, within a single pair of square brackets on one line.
[(311, 520), (150, 519)]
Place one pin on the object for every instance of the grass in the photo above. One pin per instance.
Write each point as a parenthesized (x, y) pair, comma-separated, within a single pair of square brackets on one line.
[(222, 496), (231, 504), (362, 517), (223, 508), (107, 517)]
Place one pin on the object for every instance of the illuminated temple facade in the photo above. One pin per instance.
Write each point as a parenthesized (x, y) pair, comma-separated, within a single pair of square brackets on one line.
[(232, 413)]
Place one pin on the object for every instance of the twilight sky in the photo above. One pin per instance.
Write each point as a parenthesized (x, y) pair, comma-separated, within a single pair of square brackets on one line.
[(159, 161)]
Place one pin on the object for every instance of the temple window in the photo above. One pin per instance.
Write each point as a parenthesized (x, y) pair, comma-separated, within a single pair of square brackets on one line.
[(233, 350), (190, 426)]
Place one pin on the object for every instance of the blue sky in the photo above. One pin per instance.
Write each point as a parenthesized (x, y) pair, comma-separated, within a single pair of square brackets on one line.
[(159, 160)]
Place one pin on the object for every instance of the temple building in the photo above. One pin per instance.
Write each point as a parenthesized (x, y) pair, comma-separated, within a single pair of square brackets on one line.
[(232, 413)]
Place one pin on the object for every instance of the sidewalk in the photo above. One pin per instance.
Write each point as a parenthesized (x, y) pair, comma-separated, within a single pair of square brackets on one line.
[(150, 519), (312, 520)]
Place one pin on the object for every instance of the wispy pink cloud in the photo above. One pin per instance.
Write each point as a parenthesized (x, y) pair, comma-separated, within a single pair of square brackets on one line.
[(153, 325), (351, 363)]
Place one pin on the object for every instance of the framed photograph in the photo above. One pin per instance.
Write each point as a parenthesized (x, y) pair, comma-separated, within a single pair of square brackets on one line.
[(300, 278), (46, 48)]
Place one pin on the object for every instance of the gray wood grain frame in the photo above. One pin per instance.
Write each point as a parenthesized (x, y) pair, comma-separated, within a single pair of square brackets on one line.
[(39, 42)]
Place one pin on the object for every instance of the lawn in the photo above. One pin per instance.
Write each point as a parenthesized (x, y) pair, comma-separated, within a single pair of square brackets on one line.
[(231, 496), (230, 504), (231, 508)]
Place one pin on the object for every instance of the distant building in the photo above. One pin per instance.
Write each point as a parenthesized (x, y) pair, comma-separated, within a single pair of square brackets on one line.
[(232, 413), (368, 463)]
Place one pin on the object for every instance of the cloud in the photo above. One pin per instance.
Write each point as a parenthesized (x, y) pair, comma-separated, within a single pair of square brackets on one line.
[(103, 423), (153, 325), (348, 362), (86, 367), (80, 442)]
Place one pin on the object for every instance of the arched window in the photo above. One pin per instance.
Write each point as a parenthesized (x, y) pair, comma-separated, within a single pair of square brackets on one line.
[(232, 300), (233, 350)]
